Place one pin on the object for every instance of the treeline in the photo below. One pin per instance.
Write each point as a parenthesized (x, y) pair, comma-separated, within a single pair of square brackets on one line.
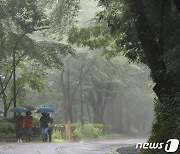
[(91, 89), (79, 84)]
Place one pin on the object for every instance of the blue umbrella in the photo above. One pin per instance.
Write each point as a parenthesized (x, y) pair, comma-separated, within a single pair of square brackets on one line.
[(18, 109), (44, 110)]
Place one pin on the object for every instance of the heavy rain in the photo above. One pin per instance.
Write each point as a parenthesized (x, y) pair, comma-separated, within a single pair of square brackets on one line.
[(89, 77)]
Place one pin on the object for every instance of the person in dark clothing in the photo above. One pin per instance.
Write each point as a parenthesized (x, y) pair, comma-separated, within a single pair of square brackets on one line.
[(19, 127), (44, 126), (50, 127)]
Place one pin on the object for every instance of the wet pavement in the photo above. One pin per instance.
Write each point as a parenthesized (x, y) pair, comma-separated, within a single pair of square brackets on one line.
[(128, 150), (91, 147)]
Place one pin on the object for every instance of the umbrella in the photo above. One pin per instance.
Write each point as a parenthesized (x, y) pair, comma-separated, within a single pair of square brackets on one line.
[(44, 110), (18, 109), (30, 108)]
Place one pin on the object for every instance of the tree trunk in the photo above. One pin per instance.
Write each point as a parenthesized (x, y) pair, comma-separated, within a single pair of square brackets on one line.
[(119, 118), (88, 111), (70, 110), (64, 92), (5, 109), (98, 118), (165, 88), (5, 112), (177, 3), (82, 107), (98, 109)]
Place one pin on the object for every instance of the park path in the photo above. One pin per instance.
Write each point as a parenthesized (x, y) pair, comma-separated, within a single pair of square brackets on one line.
[(91, 147)]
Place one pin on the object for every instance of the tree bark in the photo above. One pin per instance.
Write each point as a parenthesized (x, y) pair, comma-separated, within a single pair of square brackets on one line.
[(177, 3), (153, 53), (82, 106), (70, 114), (3, 99), (88, 111), (165, 88)]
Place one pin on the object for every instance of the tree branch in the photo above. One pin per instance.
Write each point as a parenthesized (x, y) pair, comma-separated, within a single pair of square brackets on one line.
[(79, 84), (19, 59)]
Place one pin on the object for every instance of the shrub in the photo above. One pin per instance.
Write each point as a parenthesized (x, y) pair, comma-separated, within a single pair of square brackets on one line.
[(89, 131), (56, 135), (35, 121), (7, 130)]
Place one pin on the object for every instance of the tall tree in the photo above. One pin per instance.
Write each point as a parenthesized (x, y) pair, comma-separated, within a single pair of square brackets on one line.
[(144, 31)]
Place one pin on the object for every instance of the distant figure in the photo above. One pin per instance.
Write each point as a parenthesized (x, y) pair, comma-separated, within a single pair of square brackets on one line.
[(19, 127), (44, 126), (28, 120), (50, 127)]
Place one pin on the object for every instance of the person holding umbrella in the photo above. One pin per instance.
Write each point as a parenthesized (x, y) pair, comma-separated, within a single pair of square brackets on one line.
[(44, 121), (50, 127), (19, 127), (19, 121), (28, 120), (44, 126)]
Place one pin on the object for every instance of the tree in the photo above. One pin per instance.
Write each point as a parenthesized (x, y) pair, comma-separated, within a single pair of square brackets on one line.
[(144, 31), (20, 20), (67, 90), (166, 87)]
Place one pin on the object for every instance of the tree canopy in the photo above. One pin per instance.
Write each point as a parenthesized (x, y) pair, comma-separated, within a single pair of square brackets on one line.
[(63, 40), (147, 32)]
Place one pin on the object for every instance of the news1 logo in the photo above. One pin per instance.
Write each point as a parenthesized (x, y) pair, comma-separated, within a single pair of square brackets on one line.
[(170, 146)]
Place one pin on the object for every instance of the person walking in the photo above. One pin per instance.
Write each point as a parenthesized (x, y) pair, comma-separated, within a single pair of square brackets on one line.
[(19, 127), (44, 126), (50, 127), (28, 120)]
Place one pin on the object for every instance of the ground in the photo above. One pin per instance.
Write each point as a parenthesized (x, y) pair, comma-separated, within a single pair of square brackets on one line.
[(91, 147)]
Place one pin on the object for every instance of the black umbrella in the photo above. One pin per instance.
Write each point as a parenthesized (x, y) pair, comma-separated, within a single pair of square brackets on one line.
[(30, 108)]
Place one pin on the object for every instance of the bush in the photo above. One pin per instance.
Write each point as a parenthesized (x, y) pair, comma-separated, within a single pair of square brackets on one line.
[(3, 119), (35, 121), (56, 135), (7, 130), (89, 131)]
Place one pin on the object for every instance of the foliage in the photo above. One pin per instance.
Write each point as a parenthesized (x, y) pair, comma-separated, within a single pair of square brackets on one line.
[(35, 121), (113, 33), (56, 135), (147, 32), (40, 58), (88, 131), (7, 130), (25, 14), (20, 20), (63, 14)]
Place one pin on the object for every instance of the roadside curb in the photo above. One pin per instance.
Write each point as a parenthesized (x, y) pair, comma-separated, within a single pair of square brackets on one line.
[(127, 149), (5, 144), (113, 150)]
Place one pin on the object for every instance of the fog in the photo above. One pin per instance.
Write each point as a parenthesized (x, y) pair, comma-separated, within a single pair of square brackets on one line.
[(89, 87), (113, 92)]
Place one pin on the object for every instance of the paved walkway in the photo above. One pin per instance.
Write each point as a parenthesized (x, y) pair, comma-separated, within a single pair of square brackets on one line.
[(128, 150), (96, 147), (5, 143)]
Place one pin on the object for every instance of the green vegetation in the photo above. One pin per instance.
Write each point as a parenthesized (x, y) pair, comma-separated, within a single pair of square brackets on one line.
[(7, 129), (89, 61), (88, 131), (147, 32), (79, 83)]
